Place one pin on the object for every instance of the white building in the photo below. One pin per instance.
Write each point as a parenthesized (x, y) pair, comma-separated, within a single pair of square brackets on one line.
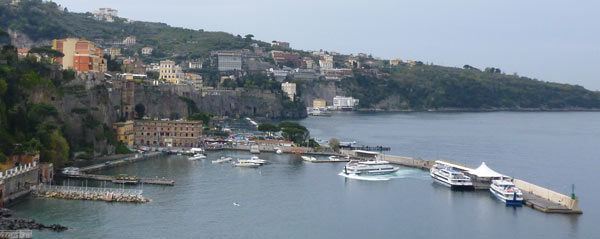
[(147, 50), (229, 60), (195, 64), (289, 89), (344, 103), (326, 63), (278, 75), (106, 14), (129, 41)]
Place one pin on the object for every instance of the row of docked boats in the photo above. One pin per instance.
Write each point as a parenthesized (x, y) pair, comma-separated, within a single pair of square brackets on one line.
[(503, 189)]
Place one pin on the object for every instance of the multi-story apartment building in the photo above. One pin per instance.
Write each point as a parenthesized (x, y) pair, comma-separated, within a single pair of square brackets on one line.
[(281, 57), (147, 51), (170, 72), (228, 60), (168, 133), (80, 55), (289, 89), (344, 103), (124, 132), (395, 62), (129, 41), (113, 52), (197, 64)]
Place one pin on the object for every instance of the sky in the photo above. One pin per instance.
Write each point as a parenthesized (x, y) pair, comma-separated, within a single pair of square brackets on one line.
[(549, 40)]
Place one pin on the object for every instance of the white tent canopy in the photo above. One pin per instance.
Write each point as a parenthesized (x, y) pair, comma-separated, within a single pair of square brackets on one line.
[(484, 172)]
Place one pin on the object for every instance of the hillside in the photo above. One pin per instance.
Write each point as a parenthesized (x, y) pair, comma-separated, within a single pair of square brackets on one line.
[(377, 84), (425, 87), (42, 22)]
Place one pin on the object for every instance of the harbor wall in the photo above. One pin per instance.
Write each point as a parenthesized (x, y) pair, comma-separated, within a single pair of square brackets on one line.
[(548, 194), (17, 182)]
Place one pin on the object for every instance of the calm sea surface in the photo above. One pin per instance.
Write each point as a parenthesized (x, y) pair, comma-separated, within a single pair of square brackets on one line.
[(292, 199)]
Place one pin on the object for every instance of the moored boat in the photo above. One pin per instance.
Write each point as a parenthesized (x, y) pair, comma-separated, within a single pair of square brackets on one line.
[(222, 160), (309, 158), (450, 177), (196, 157), (507, 192), (246, 164)]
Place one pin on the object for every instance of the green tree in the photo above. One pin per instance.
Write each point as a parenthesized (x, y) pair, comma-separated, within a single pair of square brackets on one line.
[(268, 128), (334, 144), (293, 131), (55, 149)]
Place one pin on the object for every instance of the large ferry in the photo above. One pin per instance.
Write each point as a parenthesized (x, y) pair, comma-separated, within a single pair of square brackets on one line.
[(506, 192), (447, 176), (369, 168)]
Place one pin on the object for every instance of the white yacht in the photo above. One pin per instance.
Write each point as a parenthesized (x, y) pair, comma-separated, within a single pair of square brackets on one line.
[(447, 176), (196, 157), (70, 171), (506, 192), (246, 164), (309, 158), (278, 151), (253, 159), (222, 160), (374, 167)]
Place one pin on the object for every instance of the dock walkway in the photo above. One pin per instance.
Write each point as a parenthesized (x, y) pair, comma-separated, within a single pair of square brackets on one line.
[(156, 180), (545, 205)]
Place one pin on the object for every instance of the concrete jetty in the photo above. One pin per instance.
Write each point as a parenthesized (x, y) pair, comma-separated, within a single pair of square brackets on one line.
[(537, 197)]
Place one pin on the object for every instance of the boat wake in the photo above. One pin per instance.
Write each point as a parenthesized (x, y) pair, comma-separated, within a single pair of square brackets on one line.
[(408, 173)]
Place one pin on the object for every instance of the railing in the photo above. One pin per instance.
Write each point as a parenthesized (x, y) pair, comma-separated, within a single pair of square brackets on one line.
[(16, 234), (90, 189), (18, 170)]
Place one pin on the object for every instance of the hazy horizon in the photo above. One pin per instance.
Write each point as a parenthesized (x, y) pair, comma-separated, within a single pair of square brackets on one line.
[(554, 41)]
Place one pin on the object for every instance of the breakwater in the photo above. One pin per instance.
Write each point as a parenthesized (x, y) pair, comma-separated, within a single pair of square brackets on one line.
[(129, 180), (114, 163), (91, 193)]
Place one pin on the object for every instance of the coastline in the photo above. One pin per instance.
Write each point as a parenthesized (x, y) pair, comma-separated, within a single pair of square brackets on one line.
[(476, 110)]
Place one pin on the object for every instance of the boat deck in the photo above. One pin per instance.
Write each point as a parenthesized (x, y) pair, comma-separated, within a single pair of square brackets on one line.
[(545, 205)]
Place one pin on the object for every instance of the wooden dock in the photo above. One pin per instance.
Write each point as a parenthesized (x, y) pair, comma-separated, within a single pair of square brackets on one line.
[(131, 180)]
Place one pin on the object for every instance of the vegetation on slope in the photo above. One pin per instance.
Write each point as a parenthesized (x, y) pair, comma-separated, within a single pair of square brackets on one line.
[(46, 21), (425, 87)]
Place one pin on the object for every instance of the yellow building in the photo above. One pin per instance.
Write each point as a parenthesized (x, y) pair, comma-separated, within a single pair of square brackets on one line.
[(395, 62), (170, 72), (319, 103), (124, 132), (79, 54)]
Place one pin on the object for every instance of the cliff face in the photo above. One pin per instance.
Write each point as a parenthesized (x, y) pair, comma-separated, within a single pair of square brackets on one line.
[(164, 102), (326, 90)]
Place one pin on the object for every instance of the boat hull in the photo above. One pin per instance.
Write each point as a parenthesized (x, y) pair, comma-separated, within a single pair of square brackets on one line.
[(507, 202), (454, 187)]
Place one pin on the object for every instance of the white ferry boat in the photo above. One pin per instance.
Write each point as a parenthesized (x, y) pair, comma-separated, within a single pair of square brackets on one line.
[(222, 160), (447, 176), (196, 157), (369, 168), (506, 192)]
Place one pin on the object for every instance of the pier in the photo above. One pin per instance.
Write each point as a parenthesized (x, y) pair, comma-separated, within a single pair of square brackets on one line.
[(536, 197), (129, 180)]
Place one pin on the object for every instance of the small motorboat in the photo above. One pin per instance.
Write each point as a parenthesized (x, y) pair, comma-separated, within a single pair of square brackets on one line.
[(196, 157), (222, 160), (246, 165), (309, 158), (278, 151)]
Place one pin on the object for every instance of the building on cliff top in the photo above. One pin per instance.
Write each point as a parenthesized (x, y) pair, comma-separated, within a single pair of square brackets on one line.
[(289, 89), (168, 133), (80, 55), (170, 72)]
